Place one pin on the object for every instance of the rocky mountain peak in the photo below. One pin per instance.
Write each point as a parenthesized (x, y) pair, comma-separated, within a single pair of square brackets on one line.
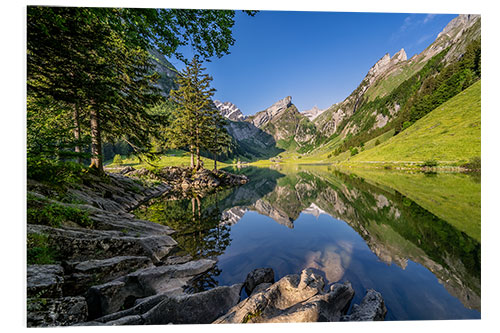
[(271, 112), (279, 106), (380, 65), (456, 26), (400, 56), (229, 110), (312, 113)]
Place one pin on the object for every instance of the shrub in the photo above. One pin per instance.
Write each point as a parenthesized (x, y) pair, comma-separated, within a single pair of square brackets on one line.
[(377, 142), (54, 172), (354, 151), (473, 164), (54, 215), (406, 124), (38, 250), (118, 159), (429, 164)]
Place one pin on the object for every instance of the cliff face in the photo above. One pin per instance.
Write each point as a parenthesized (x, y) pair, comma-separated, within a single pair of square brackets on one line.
[(284, 122), (387, 73)]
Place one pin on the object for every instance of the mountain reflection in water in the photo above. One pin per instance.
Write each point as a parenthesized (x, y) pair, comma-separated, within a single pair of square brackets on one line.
[(344, 227)]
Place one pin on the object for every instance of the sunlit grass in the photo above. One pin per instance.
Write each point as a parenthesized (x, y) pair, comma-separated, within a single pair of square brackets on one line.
[(450, 135)]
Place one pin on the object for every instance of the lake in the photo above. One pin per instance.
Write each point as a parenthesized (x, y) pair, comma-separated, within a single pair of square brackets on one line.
[(413, 237)]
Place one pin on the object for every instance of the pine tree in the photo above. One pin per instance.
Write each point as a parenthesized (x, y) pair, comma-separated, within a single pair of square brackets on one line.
[(218, 139), (193, 117)]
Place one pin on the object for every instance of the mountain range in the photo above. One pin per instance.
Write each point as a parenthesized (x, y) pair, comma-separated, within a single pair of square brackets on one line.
[(391, 97)]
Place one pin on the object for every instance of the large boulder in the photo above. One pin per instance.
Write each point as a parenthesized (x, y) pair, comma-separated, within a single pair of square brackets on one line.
[(371, 308), (293, 298), (199, 308), (258, 276)]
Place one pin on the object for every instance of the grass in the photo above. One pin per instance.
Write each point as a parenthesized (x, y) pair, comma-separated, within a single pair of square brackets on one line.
[(453, 197), (172, 158), (450, 135)]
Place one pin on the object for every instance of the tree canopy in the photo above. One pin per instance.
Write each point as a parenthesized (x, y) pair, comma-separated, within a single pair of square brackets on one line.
[(91, 69)]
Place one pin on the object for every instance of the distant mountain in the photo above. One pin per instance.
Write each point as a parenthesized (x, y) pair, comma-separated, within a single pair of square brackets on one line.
[(167, 71), (395, 88), (229, 110), (312, 113), (286, 124)]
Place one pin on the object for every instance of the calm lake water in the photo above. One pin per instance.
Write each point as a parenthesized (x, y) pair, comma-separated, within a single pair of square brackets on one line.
[(415, 238)]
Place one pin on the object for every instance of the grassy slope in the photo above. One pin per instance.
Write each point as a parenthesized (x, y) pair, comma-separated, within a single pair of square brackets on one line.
[(453, 197), (449, 134)]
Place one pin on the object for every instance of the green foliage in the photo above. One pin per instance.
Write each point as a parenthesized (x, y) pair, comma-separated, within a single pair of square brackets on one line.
[(429, 164), (90, 73), (377, 142), (54, 215), (39, 250), (54, 172), (117, 160), (249, 316), (354, 151)]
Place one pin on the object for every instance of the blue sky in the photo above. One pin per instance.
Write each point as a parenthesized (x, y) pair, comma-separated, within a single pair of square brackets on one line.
[(318, 58)]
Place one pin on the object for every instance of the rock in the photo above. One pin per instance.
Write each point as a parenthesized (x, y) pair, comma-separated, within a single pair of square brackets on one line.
[(82, 275), (371, 308), (122, 292), (260, 287), (45, 281), (293, 298), (84, 244), (129, 320), (258, 276), (199, 308), (229, 111), (56, 311)]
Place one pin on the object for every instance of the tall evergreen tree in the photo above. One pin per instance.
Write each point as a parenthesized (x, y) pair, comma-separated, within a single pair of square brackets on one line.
[(193, 114), (218, 141)]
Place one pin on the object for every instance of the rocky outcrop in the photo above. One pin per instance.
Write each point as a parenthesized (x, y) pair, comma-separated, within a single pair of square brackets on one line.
[(294, 298), (187, 180), (229, 111), (105, 266), (121, 293)]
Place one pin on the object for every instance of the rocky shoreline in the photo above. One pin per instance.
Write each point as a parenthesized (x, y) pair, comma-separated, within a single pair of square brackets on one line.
[(124, 271)]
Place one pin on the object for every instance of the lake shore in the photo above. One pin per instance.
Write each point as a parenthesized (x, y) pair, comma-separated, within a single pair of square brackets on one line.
[(115, 269)]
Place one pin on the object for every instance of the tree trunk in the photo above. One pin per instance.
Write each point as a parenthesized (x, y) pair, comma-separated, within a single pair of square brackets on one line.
[(77, 132), (215, 163), (198, 160), (96, 144), (197, 149), (191, 150)]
